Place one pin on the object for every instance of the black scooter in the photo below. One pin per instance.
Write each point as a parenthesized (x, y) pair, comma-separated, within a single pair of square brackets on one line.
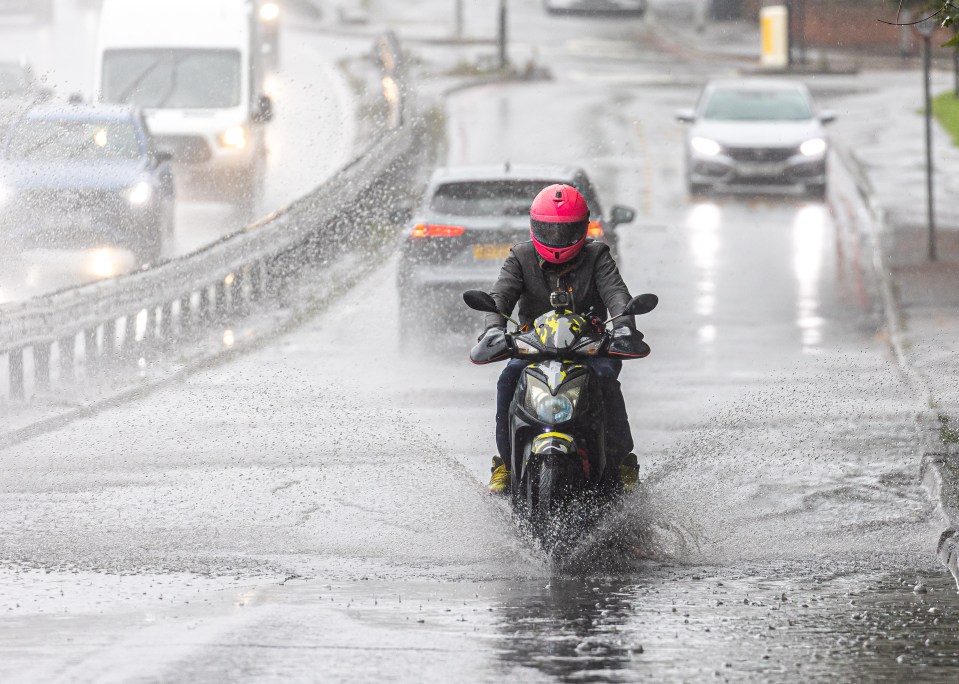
[(559, 478)]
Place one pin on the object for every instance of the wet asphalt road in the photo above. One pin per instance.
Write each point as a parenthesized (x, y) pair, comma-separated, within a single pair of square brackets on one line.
[(311, 137), (315, 510)]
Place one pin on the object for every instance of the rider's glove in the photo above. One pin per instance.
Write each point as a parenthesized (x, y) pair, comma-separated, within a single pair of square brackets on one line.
[(628, 341), (493, 345), (493, 336)]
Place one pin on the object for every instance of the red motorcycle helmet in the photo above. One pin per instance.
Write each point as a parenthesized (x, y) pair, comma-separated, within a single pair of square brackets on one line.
[(559, 222)]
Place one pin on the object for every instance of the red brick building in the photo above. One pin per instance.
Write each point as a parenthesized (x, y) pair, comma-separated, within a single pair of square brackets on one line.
[(847, 24)]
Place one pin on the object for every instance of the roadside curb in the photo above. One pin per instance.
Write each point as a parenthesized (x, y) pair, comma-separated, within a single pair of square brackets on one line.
[(940, 477), (939, 468)]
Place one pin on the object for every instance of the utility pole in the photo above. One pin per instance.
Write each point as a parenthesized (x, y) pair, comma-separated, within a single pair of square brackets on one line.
[(459, 18), (789, 33), (503, 21), (926, 30), (955, 66), (801, 21)]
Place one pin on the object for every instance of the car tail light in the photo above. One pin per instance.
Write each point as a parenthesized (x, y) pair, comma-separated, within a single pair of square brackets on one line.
[(595, 229), (433, 230)]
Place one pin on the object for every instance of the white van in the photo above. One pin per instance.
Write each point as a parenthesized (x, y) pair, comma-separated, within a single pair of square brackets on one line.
[(193, 67)]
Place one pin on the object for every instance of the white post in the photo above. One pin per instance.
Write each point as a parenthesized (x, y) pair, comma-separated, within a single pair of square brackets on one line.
[(774, 25)]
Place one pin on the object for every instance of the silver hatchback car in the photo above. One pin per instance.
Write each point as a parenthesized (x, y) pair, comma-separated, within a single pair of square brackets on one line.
[(757, 133)]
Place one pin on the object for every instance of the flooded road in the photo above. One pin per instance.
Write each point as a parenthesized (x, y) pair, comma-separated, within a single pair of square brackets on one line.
[(316, 508)]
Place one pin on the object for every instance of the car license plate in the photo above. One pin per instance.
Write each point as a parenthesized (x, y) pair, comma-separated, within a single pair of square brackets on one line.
[(760, 169), (489, 252)]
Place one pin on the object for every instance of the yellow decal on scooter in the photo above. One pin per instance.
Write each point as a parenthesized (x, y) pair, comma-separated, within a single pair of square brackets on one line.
[(558, 435)]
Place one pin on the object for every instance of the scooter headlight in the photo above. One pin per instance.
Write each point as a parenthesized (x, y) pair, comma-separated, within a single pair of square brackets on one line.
[(550, 409), (554, 410)]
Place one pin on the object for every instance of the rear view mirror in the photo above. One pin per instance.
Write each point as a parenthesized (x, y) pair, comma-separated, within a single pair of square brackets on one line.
[(641, 304), (621, 215), (480, 301), (263, 111), (827, 116), (685, 116), (163, 156)]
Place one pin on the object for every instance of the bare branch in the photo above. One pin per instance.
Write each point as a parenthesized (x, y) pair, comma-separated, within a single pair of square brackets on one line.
[(945, 7)]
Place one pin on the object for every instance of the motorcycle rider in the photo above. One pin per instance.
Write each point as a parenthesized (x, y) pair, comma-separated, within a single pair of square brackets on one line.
[(560, 257)]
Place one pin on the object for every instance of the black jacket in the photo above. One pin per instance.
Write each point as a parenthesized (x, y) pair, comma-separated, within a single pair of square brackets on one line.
[(592, 275)]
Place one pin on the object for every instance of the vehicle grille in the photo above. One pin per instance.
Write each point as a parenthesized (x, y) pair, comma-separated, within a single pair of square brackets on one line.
[(761, 154), (186, 149), (69, 200)]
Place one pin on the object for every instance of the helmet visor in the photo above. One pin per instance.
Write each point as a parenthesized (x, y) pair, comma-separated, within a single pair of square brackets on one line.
[(559, 234)]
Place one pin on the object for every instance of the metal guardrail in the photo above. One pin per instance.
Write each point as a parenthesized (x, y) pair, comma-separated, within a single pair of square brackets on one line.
[(85, 327)]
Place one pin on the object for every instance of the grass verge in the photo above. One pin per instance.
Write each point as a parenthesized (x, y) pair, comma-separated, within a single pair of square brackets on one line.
[(947, 434), (945, 108)]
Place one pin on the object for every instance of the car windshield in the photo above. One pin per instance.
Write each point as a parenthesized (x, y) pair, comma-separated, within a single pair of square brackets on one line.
[(487, 198), (172, 79), (758, 105), (13, 80), (85, 141)]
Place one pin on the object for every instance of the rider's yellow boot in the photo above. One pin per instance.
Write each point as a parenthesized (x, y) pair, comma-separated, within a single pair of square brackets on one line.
[(629, 473), (499, 480)]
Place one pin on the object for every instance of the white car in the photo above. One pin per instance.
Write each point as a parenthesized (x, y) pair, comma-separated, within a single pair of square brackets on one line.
[(756, 133), (638, 7)]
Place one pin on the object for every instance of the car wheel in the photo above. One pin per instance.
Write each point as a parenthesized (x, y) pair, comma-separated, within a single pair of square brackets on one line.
[(247, 190), (169, 222), (696, 189), (150, 247), (411, 327), (817, 191)]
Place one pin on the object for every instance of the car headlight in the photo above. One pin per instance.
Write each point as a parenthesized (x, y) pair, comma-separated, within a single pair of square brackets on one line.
[(813, 148), (705, 146), (269, 11), (234, 137), (550, 409), (140, 194)]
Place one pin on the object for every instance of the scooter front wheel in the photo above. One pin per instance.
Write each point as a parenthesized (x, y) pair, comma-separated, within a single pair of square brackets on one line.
[(543, 499)]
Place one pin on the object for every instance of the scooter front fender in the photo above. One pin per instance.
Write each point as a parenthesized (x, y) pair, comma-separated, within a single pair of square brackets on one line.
[(551, 445)]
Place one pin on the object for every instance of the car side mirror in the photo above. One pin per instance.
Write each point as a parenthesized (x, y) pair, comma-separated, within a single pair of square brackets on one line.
[(685, 116), (641, 304), (621, 215), (827, 116), (480, 301), (263, 111), (162, 157)]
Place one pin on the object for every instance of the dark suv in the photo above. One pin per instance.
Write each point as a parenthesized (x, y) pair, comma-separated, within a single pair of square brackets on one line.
[(469, 219), (82, 175)]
